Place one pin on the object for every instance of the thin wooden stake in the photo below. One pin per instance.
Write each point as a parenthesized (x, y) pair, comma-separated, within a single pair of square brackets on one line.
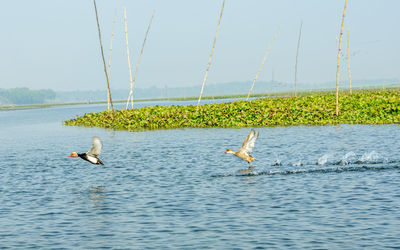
[(262, 63), (102, 55), (129, 60), (211, 54), (295, 66), (110, 51), (338, 60), (140, 57), (348, 58)]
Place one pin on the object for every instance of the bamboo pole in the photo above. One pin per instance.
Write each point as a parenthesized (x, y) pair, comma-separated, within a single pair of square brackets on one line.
[(348, 59), (102, 55), (338, 60), (297, 56), (211, 54), (129, 61), (262, 63), (140, 57), (110, 52)]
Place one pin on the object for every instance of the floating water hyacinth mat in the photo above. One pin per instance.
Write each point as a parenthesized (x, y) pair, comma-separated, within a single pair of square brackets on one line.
[(363, 107)]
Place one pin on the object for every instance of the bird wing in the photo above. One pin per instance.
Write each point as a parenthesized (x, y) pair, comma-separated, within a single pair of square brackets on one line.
[(248, 143), (95, 150)]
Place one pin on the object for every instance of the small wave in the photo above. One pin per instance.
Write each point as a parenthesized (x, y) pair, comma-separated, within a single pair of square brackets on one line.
[(314, 170), (323, 160), (330, 170), (329, 159), (351, 158), (348, 158), (372, 158), (277, 163), (297, 164)]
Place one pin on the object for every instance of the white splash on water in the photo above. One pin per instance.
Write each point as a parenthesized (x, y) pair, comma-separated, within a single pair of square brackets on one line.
[(297, 164), (277, 162), (348, 158), (323, 159), (370, 157)]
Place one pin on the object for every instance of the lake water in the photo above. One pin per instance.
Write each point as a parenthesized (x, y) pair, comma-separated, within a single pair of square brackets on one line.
[(333, 187)]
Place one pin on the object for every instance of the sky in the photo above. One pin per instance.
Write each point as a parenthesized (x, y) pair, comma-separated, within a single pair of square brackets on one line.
[(54, 43)]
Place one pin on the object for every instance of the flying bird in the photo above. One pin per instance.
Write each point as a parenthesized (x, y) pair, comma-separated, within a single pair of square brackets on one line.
[(247, 147), (93, 153)]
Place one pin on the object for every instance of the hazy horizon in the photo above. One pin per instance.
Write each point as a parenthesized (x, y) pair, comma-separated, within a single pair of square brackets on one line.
[(54, 44), (287, 85)]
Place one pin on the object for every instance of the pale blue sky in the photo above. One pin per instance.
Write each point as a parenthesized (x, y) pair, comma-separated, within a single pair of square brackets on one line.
[(54, 43)]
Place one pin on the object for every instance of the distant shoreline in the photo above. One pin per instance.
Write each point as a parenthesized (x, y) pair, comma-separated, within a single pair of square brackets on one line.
[(10, 107), (49, 105)]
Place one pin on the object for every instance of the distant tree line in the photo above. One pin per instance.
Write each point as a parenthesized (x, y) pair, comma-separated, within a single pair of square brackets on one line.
[(26, 96), (212, 89)]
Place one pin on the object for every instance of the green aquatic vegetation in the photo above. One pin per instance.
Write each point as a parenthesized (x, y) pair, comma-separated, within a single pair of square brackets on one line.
[(362, 107)]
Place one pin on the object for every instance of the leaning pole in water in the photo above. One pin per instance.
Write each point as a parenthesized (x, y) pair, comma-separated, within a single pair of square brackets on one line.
[(102, 55), (110, 52), (348, 59), (211, 54), (338, 60), (129, 60), (139, 59), (262, 63), (297, 56)]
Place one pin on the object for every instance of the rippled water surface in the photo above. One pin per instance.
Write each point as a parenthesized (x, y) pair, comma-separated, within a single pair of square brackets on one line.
[(312, 187)]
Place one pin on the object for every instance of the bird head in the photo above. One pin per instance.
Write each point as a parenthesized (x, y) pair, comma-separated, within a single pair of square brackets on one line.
[(73, 154), (229, 151)]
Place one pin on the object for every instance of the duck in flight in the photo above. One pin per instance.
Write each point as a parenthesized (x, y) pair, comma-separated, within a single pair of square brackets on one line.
[(93, 153), (247, 148)]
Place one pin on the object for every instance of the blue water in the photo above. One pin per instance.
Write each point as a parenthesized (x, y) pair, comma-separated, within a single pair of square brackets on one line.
[(333, 187)]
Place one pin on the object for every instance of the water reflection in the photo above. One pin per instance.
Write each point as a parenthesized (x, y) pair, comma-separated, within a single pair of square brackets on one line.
[(97, 195), (97, 198), (248, 170)]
